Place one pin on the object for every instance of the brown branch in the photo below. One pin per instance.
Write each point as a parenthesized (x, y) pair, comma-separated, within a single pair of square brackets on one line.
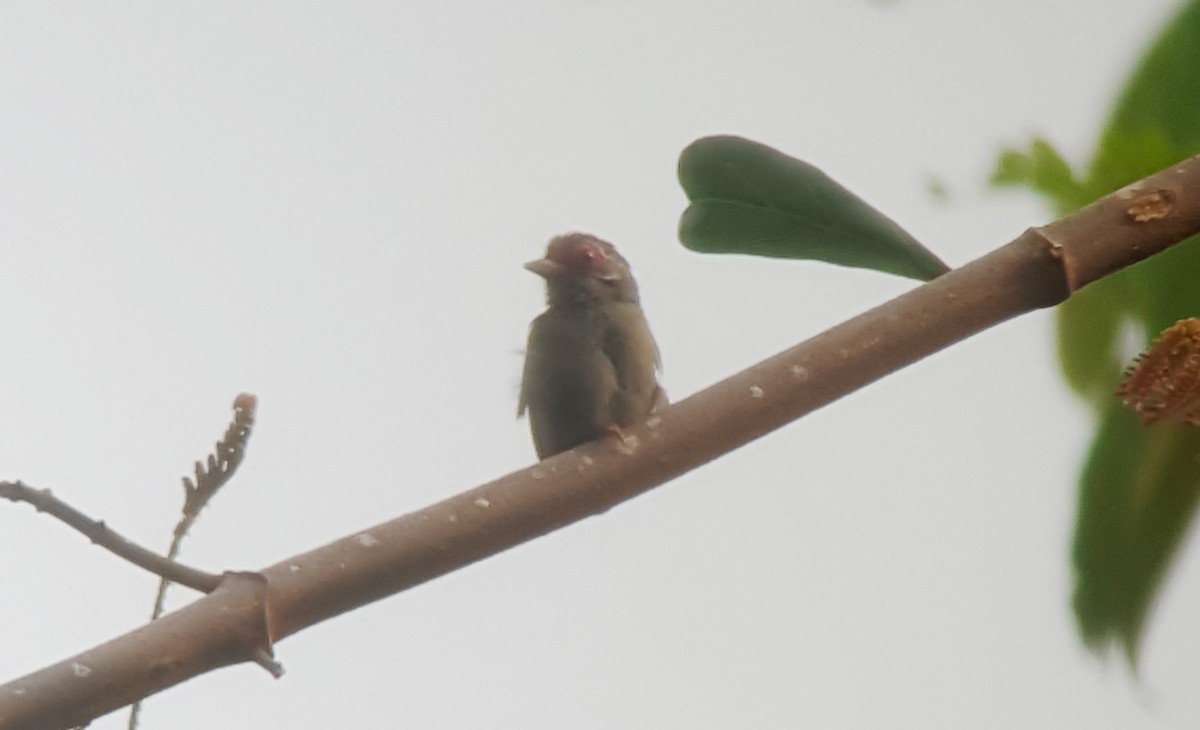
[(230, 618), (104, 536), (1038, 269)]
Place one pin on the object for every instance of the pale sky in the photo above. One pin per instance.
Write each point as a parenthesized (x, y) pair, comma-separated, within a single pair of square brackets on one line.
[(328, 205)]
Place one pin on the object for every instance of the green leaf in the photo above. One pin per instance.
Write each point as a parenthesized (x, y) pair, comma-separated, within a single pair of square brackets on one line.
[(1138, 488), (1045, 171), (1157, 119), (751, 199), (937, 189), (1088, 327), (1138, 495)]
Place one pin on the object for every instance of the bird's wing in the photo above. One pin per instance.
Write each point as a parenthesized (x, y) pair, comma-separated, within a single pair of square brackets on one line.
[(627, 343), (530, 354), (522, 400)]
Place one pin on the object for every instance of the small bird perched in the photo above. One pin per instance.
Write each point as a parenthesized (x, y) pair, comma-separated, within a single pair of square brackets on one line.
[(590, 367)]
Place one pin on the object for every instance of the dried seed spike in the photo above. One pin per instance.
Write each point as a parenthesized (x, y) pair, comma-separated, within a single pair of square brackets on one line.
[(1163, 382)]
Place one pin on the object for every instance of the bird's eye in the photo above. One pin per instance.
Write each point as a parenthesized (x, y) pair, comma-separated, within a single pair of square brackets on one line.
[(590, 255)]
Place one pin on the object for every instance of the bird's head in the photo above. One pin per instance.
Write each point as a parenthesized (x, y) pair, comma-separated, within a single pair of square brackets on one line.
[(580, 268)]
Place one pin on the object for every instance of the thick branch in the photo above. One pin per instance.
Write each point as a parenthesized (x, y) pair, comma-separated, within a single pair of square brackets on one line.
[(1038, 269), (132, 666)]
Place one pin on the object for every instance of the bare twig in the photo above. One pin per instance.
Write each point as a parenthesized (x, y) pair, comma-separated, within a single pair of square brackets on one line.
[(104, 536), (1038, 269)]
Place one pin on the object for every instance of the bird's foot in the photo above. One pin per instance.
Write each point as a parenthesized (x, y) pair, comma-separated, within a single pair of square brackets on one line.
[(625, 443)]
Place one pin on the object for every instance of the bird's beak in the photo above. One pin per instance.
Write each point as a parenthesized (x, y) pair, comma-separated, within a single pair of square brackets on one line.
[(545, 268)]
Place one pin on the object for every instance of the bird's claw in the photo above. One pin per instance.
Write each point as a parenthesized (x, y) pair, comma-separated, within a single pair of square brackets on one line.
[(625, 443)]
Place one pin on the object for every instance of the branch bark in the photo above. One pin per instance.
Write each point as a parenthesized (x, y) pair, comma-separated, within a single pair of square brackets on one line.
[(1038, 269)]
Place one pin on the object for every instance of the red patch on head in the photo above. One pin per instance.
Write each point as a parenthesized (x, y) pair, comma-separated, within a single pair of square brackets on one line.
[(577, 256), (589, 254)]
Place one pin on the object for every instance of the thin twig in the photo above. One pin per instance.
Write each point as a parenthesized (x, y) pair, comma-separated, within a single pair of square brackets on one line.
[(104, 536)]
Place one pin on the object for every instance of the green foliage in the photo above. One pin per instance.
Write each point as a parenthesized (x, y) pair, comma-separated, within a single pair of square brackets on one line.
[(1089, 323), (1138, 489), (1157, 120), (751, 199), (1046, 172)]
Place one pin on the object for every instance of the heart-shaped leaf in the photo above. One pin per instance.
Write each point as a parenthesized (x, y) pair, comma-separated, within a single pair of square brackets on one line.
[(752, 199)]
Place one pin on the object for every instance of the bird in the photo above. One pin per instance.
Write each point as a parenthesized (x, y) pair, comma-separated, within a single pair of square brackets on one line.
[(591, 364)]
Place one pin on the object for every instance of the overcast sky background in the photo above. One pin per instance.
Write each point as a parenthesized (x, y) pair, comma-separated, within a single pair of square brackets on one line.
[(328, 205)]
